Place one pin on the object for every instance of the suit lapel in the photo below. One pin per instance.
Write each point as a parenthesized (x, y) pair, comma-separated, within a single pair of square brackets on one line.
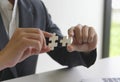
[(3, 35), (3, 41), (25, 14), (25, 21)]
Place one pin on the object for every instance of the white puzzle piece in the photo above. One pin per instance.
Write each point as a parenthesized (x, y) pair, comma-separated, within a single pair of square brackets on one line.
[(65, 41), (53, 43)]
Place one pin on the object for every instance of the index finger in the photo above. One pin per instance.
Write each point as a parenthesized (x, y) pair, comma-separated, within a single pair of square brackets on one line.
[(47, 34)]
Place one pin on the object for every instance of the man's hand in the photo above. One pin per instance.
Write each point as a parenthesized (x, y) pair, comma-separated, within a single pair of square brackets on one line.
[(24, 43), (84, 39)]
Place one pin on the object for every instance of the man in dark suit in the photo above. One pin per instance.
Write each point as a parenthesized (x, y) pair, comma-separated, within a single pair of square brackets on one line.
[(17, 55)]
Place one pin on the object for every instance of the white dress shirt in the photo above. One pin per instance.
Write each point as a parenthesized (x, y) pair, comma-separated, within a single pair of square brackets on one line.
[(10, 16)]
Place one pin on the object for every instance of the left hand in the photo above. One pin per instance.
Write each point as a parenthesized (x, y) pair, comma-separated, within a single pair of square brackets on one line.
[(84, 39)]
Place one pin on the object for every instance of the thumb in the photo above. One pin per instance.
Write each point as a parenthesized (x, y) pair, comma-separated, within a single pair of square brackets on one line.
[(47, 49), (71, 48)]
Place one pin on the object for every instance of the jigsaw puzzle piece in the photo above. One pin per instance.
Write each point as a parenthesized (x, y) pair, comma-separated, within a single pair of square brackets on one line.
[(66, 41), (53, 43)]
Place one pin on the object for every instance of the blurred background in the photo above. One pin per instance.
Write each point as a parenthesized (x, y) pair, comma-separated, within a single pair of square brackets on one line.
[(103, 15), (115, 29)]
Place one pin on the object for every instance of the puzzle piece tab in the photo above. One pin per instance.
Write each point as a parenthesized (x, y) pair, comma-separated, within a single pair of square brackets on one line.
[(65, 41), (53, 43)]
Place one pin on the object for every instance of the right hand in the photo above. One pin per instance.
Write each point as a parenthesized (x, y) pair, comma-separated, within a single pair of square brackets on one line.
[(24, 43)]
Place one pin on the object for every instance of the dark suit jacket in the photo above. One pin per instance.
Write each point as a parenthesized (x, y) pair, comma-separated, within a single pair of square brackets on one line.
[(32, 13)]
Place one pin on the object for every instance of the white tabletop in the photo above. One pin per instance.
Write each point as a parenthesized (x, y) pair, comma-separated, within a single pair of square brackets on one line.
[(105, 68)]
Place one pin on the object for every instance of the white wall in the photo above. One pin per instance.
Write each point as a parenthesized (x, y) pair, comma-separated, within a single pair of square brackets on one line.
[(67, 13)]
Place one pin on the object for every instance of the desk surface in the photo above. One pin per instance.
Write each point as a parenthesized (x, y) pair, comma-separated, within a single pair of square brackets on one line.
[(109, 67)]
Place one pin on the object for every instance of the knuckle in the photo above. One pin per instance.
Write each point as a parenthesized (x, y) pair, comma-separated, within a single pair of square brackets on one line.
[(81, 37), (18, 30), (79, 25), (84, 27), (69, 30), (85, 36), (40, 38), (38, 43), (21, 34), (77, 28), (90, 38), (24, 41), (91, 28), (38, 31)]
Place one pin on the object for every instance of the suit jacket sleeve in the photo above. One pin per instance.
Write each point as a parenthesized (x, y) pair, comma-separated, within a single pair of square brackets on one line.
[(61, 55)]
